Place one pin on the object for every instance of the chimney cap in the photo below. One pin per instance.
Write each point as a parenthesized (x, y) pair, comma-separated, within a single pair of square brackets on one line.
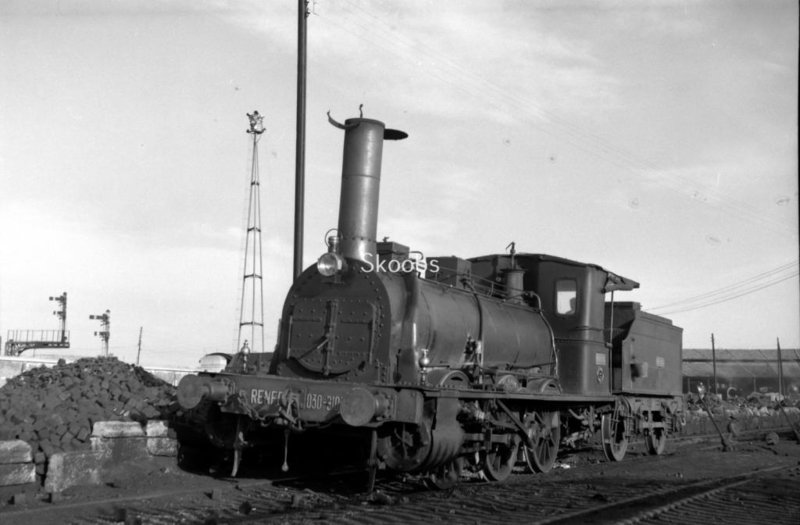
[(394, 134), (388, 134)]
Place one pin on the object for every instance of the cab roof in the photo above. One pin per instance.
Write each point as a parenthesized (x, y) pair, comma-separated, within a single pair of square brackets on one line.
[(613, 281)]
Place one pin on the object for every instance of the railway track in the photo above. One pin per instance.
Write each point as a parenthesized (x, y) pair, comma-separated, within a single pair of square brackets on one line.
[(770, 495), (641, 489)]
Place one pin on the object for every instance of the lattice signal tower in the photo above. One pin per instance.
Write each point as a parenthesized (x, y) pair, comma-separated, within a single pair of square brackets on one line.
[(19, 341), (61, 313), (105, 329), (251, 313)]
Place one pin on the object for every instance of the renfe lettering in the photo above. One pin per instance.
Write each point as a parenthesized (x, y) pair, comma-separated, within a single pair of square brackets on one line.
[(260, 397), (310, 401)]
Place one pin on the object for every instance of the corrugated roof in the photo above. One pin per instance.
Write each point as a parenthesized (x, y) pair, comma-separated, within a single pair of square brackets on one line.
[(741, 363)]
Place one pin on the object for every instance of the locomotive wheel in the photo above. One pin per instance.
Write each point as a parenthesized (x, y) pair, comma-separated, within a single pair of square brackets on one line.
[(446, 476), (656, 441), (498, 462), (404, 447), (544, 429), (614, 430)]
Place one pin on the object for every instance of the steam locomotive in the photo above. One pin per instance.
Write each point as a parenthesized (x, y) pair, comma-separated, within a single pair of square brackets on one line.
[(480, 365)]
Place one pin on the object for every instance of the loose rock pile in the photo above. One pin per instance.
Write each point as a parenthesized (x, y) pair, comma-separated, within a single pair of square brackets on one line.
[(53, 409)]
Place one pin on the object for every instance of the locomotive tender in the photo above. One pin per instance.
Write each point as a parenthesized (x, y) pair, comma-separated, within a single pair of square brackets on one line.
[(483, 363)]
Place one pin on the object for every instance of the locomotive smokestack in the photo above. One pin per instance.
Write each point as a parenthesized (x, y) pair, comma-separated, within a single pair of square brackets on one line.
[(361, 177)]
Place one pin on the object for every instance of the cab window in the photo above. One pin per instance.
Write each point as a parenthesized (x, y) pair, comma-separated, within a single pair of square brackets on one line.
[(566, 297)]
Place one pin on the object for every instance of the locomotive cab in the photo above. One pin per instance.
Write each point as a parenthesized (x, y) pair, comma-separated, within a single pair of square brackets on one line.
[(572, 297)]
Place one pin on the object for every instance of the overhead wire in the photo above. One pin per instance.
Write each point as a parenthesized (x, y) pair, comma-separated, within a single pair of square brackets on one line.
[(467, 81), (730, 288), (732, 294)]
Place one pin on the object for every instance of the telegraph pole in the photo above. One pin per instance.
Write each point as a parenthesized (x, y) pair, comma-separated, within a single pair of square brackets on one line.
[(139, 351), (780, 369), (714, 362), (300, 139)]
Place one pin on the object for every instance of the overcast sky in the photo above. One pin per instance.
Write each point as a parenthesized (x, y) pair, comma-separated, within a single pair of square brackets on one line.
[(656, 139)]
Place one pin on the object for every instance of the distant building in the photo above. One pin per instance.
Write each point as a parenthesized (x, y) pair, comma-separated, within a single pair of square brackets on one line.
[(745, 371)]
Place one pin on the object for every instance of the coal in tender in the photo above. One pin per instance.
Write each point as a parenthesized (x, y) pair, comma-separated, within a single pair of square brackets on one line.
[(53, 409)]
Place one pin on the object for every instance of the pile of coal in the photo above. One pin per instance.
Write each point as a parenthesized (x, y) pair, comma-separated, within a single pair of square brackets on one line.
[(755, 404), (53, 409)]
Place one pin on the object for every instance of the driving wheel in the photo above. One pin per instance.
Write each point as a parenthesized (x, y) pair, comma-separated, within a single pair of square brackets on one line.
[(498, 461), (544, 430), (615, 431)]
